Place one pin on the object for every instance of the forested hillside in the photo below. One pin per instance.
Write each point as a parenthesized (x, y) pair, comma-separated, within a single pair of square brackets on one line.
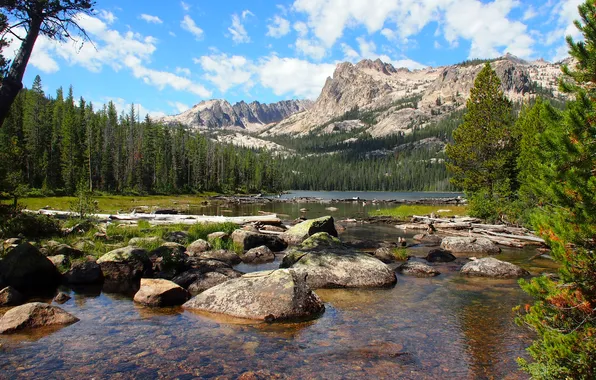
[(56, 144)]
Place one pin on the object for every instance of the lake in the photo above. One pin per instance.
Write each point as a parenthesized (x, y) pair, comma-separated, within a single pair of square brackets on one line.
[(447, 327)]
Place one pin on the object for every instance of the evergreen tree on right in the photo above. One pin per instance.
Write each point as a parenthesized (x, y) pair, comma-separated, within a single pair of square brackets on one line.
[(564, 314)]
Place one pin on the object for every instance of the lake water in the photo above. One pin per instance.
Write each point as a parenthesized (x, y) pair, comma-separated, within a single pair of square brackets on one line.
[(446, 327), (368, 195)]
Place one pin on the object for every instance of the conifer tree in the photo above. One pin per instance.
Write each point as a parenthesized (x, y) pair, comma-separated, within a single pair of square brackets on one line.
[(564, 314), (481, 157)]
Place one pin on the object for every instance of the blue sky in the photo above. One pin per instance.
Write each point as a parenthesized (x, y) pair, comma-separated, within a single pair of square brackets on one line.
[(169, 55)]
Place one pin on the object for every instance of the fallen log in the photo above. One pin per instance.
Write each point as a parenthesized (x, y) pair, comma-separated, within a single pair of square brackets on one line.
[(455, 226), (534, 239), (170, 219), (427, 219), (412, 226)]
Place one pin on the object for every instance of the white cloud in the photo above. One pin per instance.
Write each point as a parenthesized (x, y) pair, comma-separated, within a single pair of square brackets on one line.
[(151, 19), (122, 106), (179, 107), (293, 76), (563, 13), (301, 28), (237, 30), (183, 71), (530, 13), (310, 48), (279, 28), (485, 25), (185, 6), (107, 16), (226, 71), (189, 25), (368, 51)]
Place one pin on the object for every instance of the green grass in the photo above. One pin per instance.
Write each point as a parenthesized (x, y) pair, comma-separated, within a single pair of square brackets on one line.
[(400, 253), (114, 203), (404, 212)]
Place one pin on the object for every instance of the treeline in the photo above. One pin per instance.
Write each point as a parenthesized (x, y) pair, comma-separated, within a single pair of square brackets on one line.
[(58, 144)]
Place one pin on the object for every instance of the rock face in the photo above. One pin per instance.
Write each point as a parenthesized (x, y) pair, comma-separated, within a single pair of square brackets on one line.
[(160, 293), (35, 314), (9, 296), (27, 270), (418, 269), (299, 232), (219, 114), (228, 257), (439, 255), (470, 245), (248, 240), (491, 267), (125, 264), (198, 246), (328, 264), (258, 255), (269, 296), (85, 272)]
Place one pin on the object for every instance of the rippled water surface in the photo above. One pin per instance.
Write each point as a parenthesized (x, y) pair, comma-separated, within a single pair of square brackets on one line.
[(447, 327)]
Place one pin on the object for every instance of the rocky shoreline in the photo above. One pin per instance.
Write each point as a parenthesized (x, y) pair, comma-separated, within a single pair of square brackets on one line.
[(259, 199), (201, 278)]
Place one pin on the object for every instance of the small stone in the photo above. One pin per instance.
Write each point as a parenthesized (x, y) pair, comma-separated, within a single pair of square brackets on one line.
[(198, 246), (35, 314), (61, 298), (415, 268), (258, 255), (439, 255), (160, 293)]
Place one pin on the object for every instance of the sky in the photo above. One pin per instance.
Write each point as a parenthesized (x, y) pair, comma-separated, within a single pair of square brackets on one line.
[(166, 56)]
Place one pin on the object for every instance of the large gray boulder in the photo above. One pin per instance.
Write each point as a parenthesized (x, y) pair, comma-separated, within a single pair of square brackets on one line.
[(470, 245), (248, 239), (84, 272), (439, 255), (197, 247), (491, 267), (298, 233), (205, 274), (35, 314), (269, 296), (328, 264), (160, 293), (27, 270), (125, 264)]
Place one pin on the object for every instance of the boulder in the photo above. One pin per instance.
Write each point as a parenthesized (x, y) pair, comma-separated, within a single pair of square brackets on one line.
[(217, 236), (199, 280), (125, 264), (160, 293), (228, 257), (84, 272), (269, 296), (27, 270), (198, 246), (9, 296), (247, 240), (35, 314), (469, 245), (328, 264), (428, 240), (386, 255), (418, 269), (258, 255), (299, 232), (491, 267), (84, 245), (439, 255), (61, 298), (268, 227), (68, 251), (144, 241), (180, 237)]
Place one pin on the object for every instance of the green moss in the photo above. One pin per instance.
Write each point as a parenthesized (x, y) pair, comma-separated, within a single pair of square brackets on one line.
[(318, 240)]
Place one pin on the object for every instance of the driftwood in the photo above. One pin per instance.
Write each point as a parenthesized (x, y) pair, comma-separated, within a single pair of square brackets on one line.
[(161, 219), (534, 239)]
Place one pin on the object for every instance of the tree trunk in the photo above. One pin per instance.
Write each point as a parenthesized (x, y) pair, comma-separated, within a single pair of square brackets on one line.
[(13, 82)]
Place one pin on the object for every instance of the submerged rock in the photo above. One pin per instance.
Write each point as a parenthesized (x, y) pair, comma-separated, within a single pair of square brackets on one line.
[(439, 255), (35, 314), (491, 267), (9, 296), (61, 298), (27, 270), (298, 233), (269, 296), (418, 269), (160, 293), (474, 245), (328, 264), (258, 255), (125, 264), (247, 240)]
